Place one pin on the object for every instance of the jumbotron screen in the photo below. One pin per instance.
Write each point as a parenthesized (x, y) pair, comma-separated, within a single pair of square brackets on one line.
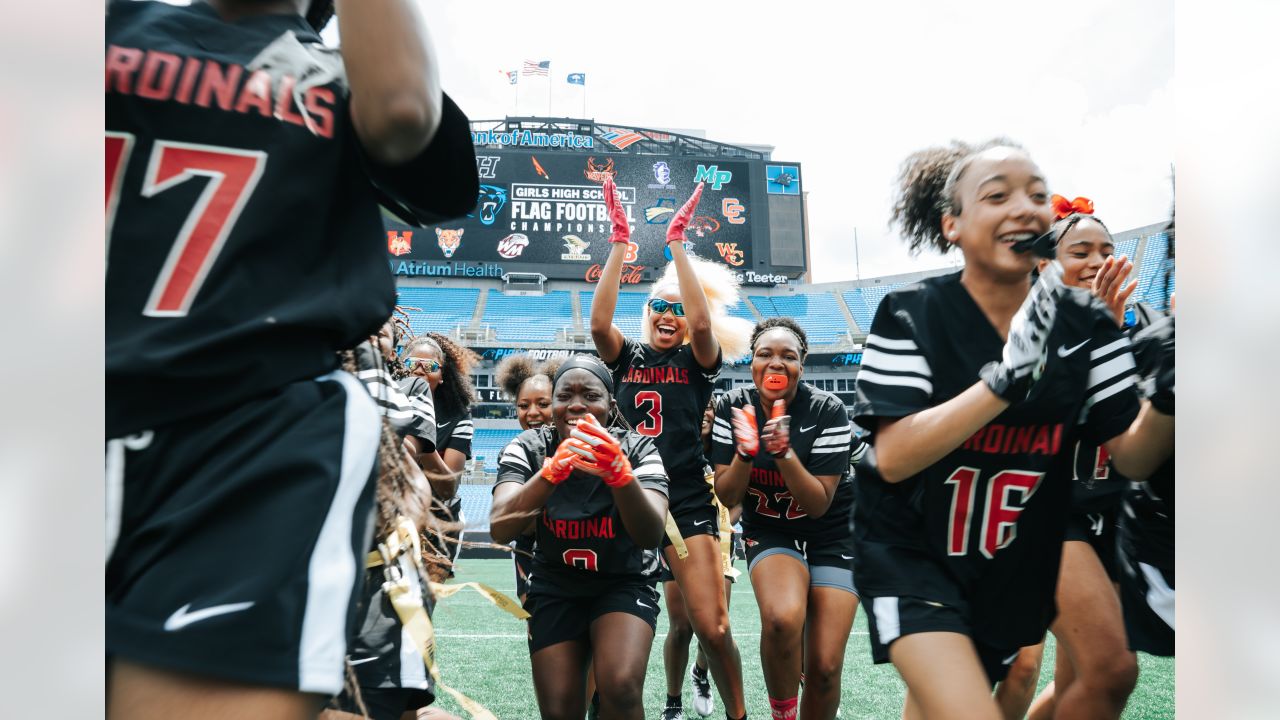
[(544, 212)]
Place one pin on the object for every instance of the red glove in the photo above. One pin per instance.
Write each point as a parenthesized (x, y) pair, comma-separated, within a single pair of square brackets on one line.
[(558, 467), (746, 438), (675, 228), (607, 457), (777, 432), (617, 214)]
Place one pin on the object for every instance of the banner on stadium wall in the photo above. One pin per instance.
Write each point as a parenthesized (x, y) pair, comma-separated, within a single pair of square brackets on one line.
[(544, 212)]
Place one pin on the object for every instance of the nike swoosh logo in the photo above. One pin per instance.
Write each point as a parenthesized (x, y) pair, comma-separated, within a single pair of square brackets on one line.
[(1063, 351), (846, 557), (181, 618), (701, 522), (364, 660), (1010, 659), (649, 607), (807, 429)]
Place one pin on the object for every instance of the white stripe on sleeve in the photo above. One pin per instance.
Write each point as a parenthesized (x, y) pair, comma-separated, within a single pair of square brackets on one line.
[(887, 344), (873, 358), (909, 381)]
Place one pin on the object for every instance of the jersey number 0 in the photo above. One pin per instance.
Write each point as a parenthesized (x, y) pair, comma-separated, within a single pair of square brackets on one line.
[(232, 176)]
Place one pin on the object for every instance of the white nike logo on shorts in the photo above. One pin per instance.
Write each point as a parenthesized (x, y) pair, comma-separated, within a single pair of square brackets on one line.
[(649, 607), (1063, 351), (1009, 660), (181, 618), (846, 557), (701, 522), (364, 660)]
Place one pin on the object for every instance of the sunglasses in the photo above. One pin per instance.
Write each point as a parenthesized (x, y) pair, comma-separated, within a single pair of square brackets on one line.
[(659, 306), (422, 363)]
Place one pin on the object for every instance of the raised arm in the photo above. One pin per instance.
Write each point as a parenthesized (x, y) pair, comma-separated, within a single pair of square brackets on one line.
[(608, 338), (697, 313), (396, 100)]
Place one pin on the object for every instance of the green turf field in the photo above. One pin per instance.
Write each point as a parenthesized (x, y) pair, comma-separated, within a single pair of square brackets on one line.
[(483, 653)]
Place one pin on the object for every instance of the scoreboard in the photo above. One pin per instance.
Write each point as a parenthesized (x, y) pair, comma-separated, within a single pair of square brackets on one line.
[(543, 211)]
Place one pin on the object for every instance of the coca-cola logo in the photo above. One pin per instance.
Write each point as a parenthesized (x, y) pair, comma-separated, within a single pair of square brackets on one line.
[(631, 274)]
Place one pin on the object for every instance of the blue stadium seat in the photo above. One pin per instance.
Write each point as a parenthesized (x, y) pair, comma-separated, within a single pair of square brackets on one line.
[(487, 443), (863, 302), (818, 313), (476, 501), (440, 309), (1151, 272), (626, 316), (528, 318)]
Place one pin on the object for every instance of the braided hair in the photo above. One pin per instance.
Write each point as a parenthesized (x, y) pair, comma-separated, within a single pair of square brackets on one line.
[(455, 394), (927, 190), (786, 323)]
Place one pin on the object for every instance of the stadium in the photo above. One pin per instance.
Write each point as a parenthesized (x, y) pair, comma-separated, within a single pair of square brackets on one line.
[(518, 276)]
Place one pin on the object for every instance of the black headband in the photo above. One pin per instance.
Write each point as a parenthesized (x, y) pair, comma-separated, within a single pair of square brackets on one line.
[(591, 364)]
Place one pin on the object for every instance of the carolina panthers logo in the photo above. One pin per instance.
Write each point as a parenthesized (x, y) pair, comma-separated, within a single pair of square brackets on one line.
[(449, 240), (491, 200)]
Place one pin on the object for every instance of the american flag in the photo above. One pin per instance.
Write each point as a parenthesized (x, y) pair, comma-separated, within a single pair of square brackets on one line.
[(622, 140), (542, 68)]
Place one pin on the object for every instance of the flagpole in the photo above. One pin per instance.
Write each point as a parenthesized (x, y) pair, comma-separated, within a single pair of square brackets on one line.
[(584, 96), (516, 109), (548, 88)]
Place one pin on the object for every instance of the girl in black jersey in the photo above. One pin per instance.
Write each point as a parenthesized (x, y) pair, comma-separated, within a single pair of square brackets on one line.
[(446, 367), (1094, 670), (529, 387), (664, 382), (782, 449), (598, 498), (975, 387)]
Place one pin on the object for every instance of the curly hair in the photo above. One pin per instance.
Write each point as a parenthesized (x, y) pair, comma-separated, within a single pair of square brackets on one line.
[(515, 370), (455, 395), (785, 323), (927, 190)]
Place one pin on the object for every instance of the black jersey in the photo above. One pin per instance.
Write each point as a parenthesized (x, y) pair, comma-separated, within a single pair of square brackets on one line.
[(663, 395), (1145, 527), (1097, 487), (455, 433), (582, 546), (821, 439), (243, 228), (406, 414), (983, 527)]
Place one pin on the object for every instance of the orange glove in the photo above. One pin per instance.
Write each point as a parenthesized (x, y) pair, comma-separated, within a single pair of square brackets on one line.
[(617, 214), (675, 229), (606, 454), (558, 467), (746, 438), (777, 432)]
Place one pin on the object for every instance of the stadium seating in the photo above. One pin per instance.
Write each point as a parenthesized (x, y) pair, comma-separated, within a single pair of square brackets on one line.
[(528, 318), (863, 302), (487, 443), (626, 316), (439, 309), (1151, 272), (818, 313), (476, 501)]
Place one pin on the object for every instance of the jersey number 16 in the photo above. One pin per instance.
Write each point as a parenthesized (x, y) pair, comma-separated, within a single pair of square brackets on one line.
[(1007, 494)]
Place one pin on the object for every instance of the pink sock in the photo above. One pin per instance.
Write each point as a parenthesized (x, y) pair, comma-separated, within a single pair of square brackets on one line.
[(784, 709)]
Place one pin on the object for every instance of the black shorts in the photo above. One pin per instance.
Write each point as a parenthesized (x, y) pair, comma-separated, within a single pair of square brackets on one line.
[(1146, 597), (555, 619), (523, 557), (236, 539), (1099, 530), (890, 618), (830, 563), (382, 657), (384, 703), (695, 518)]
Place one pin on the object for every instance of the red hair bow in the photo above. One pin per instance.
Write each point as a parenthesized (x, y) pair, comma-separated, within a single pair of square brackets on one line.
[(1064, 207)]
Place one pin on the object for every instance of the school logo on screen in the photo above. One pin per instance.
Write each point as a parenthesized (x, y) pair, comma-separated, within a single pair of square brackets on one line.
[(490, 201), (513, 245), (577, 249), (730, 253), (399, 243), (662, 176), (449, 240)]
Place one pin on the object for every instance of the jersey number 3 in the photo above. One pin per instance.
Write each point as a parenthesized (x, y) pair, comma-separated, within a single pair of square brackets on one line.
[(1007, 494), (232, 176), (652, 425)]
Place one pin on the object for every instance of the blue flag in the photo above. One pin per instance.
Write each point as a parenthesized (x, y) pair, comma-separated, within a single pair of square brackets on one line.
[(577, 79)]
